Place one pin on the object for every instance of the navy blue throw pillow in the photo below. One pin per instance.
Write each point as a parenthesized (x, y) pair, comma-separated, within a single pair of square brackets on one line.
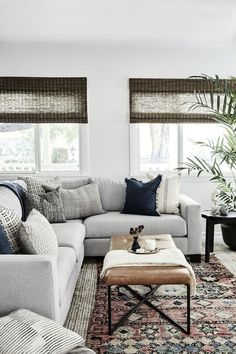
[(141, 197)]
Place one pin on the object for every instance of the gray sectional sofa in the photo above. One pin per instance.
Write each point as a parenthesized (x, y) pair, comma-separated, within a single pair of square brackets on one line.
[(45, 284), (185, 227), (42, 284)]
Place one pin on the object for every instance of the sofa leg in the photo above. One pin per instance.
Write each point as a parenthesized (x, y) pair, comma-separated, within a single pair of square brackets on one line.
[(195, 258)]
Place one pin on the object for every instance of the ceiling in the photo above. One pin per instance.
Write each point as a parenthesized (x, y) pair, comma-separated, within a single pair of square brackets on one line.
[(189, 22)]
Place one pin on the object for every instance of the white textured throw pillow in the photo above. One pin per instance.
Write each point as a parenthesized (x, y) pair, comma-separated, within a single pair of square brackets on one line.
[(167, 197), (37, 235), (24, 331)]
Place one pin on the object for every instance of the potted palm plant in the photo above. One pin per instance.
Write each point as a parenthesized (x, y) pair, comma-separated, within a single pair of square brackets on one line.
[(222, 107)]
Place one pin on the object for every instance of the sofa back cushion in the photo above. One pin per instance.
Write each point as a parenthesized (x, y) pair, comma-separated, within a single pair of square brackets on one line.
[(112, 193)]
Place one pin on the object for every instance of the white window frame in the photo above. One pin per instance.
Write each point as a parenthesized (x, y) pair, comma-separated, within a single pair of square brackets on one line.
[(135, 155), (135, 151), (83, 157)]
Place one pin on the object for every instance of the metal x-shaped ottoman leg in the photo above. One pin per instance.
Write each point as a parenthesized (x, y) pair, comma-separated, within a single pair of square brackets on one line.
[(145, 299)]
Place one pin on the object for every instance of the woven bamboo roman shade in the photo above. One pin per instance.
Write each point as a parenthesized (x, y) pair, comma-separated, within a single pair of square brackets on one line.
[(168, 100), (43, 100)]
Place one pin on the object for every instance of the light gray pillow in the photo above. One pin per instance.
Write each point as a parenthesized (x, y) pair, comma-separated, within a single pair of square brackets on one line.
[(48, 203), (82, 202), (75, 183), (35, 184), (37, 235), (24, 331)]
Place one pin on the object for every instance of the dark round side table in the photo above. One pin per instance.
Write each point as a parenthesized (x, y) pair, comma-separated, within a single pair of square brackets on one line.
[(211, 221)]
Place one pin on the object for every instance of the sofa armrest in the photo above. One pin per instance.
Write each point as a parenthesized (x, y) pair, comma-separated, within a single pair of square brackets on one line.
[(29, 281), (190, 211)]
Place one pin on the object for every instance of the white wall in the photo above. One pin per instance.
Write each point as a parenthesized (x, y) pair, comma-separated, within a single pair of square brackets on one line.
[(108, 69)]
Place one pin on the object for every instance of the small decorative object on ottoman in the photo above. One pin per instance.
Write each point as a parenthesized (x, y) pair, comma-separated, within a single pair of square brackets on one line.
[(24, 331)]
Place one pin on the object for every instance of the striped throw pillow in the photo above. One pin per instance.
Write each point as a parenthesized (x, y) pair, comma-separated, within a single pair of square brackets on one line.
[(35, 334), (167, 196)]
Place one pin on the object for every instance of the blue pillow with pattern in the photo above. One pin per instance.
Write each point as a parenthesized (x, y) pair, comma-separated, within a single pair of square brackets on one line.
[(9, 226)]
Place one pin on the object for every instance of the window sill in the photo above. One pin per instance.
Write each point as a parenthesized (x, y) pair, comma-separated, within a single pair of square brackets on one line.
[(64, 174), (185, 177)]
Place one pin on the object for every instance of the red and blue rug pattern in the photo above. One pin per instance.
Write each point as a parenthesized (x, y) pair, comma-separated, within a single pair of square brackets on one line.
[(213, 317)]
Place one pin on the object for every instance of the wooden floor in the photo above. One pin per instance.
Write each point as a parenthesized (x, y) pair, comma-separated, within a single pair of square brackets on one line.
[(227, 257)]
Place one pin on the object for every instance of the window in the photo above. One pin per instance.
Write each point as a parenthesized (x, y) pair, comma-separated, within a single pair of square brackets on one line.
[(42, 124), (41, 147), (158, 146), (162, 147), (163, 129), (60, 147), (17, 148), (199, 132)]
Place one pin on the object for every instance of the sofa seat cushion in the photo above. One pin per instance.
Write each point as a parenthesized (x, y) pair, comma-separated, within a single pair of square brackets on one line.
[(70, 234), (66, 261), (115, 223)]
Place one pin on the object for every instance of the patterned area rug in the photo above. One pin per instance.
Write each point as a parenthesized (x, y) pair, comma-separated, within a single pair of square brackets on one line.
[(213, 318), (83, 300)]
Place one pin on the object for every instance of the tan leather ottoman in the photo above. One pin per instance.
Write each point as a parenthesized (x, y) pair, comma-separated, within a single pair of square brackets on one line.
[(153, 276)]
